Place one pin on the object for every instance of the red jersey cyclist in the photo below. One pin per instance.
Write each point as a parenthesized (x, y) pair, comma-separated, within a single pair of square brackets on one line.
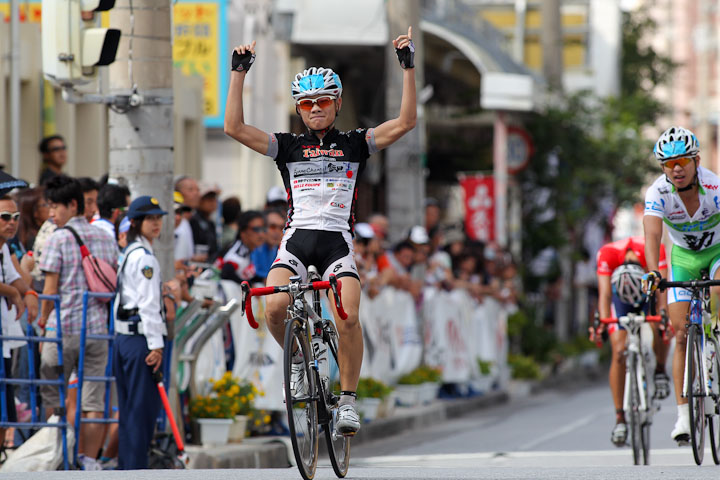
[(320, 169), (620, 268)]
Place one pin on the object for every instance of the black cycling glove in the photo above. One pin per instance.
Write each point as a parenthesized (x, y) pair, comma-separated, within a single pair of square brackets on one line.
[(242, 63), (406, 55)]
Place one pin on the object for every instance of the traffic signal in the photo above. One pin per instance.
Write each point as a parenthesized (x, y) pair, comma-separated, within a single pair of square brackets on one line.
[(72, 44)]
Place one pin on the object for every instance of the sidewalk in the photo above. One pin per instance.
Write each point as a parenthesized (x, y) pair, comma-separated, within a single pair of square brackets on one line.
[(274, 452)]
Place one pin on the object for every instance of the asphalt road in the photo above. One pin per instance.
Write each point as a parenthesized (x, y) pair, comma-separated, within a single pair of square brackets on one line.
[(560, 435)]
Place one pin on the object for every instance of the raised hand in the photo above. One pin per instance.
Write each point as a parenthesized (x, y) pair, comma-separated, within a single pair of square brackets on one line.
[(243, 57), (405, 49)]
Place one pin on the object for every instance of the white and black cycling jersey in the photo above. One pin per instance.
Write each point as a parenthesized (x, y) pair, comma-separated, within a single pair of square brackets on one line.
[(320, 176)]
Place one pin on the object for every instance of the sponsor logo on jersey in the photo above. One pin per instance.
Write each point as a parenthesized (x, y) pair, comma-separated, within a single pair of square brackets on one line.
[(337, 205), (710, 187), (314, 152), (310, 170)]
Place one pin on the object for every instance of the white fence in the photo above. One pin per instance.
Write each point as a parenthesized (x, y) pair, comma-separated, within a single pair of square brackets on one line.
[(450, 331)]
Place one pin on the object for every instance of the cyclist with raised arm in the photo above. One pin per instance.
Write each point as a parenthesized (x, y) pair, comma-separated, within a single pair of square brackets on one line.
[(620, 268), (320, 169), (686, 198)]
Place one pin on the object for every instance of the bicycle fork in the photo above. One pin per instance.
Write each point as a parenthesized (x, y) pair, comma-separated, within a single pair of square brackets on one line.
[(633, 349)]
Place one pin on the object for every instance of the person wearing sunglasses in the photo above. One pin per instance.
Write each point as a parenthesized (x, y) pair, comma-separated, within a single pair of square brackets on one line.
[(686, 197), (235, 262), (320, 169)]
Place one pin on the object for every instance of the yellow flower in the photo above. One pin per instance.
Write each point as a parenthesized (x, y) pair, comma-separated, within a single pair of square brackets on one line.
[(266, 419), (258, 422)]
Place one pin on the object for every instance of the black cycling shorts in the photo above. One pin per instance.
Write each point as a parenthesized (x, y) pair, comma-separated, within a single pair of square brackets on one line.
[(330, 252)]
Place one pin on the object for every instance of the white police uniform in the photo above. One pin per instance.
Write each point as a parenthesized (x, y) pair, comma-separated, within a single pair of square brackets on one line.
[(139, 328)]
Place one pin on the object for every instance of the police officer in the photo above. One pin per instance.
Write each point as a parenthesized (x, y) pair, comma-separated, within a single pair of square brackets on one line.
[(139, 328)]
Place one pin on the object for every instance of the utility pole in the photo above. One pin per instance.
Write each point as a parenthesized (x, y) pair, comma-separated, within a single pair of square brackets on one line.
[(404, 168), (141, 136), (552, 43), (15, 88)]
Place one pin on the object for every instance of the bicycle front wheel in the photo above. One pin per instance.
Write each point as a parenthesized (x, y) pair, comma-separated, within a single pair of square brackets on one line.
[(634, 413), (338, 445), (714, 418), (301, 398), (696, 392)]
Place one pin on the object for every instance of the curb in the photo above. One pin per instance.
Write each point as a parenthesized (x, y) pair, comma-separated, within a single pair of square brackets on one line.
[(274, 452)]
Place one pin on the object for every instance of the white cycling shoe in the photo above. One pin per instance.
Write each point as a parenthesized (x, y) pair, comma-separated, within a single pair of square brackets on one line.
[(348, 421), (298, 387), (681, 432), (619, 435)]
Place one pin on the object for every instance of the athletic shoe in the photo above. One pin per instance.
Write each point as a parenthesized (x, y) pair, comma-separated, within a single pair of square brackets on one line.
[(619, 435), (89, 463), (298, 386), (348, 421), (109, 463), (681, 432), (662, 385)]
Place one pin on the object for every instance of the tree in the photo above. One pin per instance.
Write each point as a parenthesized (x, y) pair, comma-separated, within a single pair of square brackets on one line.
[(591, 155)]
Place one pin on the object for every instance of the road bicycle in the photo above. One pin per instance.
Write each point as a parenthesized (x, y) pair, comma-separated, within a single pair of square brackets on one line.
[(638, 402), (701, 381), (315, 408)]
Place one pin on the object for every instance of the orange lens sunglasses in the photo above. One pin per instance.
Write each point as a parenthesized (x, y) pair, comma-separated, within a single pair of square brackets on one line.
[(677, 161), (307, 103)]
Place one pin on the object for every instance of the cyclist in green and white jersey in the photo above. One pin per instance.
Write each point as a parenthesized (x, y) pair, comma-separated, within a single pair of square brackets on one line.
[(687, 199)]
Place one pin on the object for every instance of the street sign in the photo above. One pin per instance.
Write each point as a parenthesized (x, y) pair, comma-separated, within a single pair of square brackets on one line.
[(519, 149)]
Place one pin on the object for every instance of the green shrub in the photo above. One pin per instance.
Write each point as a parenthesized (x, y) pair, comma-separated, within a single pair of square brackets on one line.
[(421, 374), (371, 388), (485, 366), (523, 367)]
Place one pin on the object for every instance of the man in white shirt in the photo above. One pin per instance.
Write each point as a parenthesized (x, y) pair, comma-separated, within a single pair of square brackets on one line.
[(16, 297), (111, 200)]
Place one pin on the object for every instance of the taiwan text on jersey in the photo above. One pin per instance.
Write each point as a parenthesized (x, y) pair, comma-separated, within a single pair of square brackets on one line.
[(698, 232), (321, 176)]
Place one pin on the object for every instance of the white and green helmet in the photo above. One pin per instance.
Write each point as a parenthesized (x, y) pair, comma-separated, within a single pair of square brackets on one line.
[(676, 142)]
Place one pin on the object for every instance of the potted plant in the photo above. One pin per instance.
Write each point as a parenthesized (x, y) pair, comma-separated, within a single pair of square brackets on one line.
[(483, 383), (371, 394), (524, 373), (242, 395), (419, 386), (214, 414)]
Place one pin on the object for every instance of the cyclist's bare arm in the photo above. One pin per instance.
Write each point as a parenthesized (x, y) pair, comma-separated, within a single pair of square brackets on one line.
[(390, 131), (235, 125), (653, 237), (604, 296)]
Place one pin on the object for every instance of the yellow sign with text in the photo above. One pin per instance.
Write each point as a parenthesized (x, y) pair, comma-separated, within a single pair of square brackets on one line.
[(195, 48)]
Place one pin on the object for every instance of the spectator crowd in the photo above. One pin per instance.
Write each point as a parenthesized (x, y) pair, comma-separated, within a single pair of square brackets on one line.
[(39, 254)]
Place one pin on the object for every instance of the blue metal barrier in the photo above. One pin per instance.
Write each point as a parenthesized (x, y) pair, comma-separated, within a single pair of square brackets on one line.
[(33, 339), (107, 378)]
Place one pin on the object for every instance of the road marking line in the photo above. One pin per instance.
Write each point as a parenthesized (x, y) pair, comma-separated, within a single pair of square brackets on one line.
[(560, 431)]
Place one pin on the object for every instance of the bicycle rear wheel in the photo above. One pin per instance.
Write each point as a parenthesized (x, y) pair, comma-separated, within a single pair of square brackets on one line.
[(696, 395), (301, 405), (338, 445), (714, 419), (634, 413)]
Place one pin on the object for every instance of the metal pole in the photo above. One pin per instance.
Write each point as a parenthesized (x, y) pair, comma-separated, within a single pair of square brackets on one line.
[(703, 45), (500, 138), (519, 36), (141, 139), (15, 87)]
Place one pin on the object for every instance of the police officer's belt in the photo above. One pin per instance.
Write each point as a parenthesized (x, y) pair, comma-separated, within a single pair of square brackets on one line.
[(132, 327)]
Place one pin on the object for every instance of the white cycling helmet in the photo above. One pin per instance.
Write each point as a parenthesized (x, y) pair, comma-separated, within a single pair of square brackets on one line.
[(316, 81), (627, 283), (676, 142)]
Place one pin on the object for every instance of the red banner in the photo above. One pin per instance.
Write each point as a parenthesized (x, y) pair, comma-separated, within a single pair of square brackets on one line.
[(479, 194)]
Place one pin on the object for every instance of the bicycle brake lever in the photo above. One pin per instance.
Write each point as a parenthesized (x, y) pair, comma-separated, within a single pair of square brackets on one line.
[(336, 289)]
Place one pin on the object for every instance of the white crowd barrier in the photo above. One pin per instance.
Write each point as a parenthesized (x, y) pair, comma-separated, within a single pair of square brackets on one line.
[(449, 331)]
